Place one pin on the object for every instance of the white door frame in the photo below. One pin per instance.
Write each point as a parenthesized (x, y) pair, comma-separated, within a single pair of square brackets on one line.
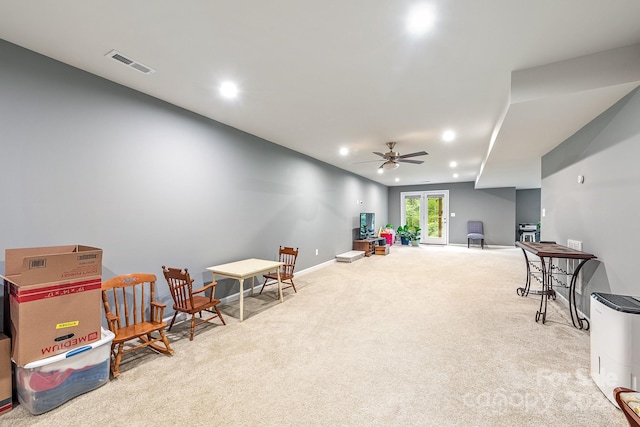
[(424, 212)]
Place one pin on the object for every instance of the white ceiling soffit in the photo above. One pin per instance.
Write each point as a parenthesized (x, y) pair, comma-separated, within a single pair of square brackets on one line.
[(562, 98)]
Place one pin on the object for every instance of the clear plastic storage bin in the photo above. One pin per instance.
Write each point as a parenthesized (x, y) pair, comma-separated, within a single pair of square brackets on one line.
[(48, 383)]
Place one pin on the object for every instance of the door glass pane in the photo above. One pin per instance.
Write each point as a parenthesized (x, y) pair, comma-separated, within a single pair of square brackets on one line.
[(434, 217), (412, 211)]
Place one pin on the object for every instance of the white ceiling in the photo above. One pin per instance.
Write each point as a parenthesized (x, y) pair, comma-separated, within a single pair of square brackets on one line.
[(513, 78)]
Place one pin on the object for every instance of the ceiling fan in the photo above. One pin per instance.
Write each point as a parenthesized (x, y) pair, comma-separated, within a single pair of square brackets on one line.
[(393, 158)]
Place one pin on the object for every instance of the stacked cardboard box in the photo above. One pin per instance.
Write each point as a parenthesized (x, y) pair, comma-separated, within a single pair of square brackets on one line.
[(54, 299), (6, 402)]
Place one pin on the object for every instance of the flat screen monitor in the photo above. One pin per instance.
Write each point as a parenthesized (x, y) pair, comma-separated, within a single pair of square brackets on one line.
[(367, 225)]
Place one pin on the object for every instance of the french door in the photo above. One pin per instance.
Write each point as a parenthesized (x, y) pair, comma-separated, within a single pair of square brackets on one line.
[(427, 210)]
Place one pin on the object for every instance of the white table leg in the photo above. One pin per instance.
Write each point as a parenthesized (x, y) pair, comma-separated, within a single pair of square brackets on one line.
[(241, 299), (280, 286)]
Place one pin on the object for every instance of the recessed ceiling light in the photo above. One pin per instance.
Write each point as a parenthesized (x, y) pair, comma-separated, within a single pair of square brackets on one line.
[(397, 179), (421, 19), (344, 151), (229, 90), (380, 171), (453, 164), (448, 135), (455, 175)]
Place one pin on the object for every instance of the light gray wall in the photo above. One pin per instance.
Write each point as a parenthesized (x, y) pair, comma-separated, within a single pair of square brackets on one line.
[(88, 161), (495, 207), (527, 208), (603, 211)]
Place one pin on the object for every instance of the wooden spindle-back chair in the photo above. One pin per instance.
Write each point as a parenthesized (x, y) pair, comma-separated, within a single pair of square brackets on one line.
[(188, 300), (288, 257)]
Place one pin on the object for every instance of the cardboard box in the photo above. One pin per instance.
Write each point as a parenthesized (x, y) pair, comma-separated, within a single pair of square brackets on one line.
[(48, 383), (6, 402), (54, 299)]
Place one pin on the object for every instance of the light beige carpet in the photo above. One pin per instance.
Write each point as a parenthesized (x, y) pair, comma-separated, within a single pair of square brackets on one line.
[(428, 336)]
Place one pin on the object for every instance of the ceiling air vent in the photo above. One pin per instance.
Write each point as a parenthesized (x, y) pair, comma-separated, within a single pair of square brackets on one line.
[(114, 54)]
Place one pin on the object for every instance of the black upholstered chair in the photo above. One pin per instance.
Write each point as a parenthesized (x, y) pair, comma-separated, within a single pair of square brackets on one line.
[(475, 231)]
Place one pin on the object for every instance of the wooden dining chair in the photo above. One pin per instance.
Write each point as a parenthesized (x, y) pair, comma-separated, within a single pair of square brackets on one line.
[(188, 300), (626, 398), (287, 256), (133, 314)]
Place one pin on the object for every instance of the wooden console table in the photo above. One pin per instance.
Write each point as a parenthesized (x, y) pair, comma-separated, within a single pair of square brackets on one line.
[(544, 271)]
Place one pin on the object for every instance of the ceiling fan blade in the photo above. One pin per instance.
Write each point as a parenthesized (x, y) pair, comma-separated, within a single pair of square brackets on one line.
[(417, 162), (367, 161), (416, 154), (380, 154)]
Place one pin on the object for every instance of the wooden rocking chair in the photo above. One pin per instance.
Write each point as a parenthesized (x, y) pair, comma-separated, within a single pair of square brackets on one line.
[(137, 315), (188, 300)]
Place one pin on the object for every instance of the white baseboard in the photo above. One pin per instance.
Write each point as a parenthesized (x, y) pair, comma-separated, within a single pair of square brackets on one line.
[(565, 302), (315, 267), (236, 296), (181, 317)]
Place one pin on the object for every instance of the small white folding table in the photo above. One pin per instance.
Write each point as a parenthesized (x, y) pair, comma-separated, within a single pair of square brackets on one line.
[(247, 268)]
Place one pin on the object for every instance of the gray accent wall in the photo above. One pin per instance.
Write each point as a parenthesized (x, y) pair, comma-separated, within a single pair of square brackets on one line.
[(603, 211), (87, 161), (495, 207)]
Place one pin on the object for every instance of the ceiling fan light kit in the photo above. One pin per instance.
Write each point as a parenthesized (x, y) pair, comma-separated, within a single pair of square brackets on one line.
[(393, 158), (389, 165)]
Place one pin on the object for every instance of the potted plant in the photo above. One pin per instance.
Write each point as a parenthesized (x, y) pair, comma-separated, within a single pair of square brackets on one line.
[(414, 236), (403, 233)]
